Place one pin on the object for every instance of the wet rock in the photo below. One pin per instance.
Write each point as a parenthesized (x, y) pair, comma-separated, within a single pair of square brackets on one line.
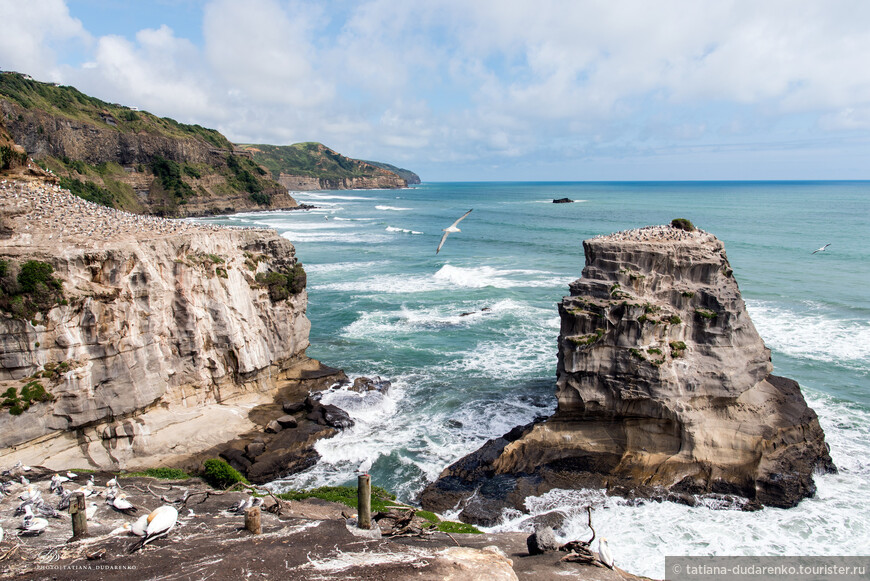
[(287, 422), (543, 540), (254, 449), (563, 201), (363, 384), (274, 427), (293, 407), (336, 417), (236, 458)]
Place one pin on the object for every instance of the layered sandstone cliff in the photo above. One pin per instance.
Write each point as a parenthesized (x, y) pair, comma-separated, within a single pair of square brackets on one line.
[(163, 341), (664, 386), (384, 180)]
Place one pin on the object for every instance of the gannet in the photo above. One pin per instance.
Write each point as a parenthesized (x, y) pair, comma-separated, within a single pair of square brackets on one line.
[(112, 483), (160, 522), (64, 500), (121, 504), (91, 510), (604, 554), (449, 229), (124, 528), (365, 466), (140, 526), (821, 249), (31, 493), (31, 525)]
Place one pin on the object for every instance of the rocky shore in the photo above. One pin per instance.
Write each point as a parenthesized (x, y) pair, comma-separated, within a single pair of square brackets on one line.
[(300, 539), (664, 390)]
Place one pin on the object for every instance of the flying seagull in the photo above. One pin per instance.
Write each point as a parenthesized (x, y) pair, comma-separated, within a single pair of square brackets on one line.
[(822, 248), (449, 229)]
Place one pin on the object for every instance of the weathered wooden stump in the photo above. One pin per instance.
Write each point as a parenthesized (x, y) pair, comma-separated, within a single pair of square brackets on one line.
[(364, 501), (252, 520), (77, 509)]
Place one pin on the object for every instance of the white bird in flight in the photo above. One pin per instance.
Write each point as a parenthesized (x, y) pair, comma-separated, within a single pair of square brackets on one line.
[(451, 228), (822, 248)]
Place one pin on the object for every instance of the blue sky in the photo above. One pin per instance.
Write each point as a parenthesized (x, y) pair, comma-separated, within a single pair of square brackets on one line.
[(490, 89)]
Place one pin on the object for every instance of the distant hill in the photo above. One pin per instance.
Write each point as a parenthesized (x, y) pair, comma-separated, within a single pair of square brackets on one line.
[(129, 159), (310, 165), (410, 177), (133, 160)]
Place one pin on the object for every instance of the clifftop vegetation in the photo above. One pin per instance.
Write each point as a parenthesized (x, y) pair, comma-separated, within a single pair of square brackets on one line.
[(71, 103), (315, 160)]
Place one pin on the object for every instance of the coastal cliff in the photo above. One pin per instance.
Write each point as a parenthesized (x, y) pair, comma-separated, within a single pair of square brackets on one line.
[(130, 159), (664, 389), (152, 338), (313, 166)]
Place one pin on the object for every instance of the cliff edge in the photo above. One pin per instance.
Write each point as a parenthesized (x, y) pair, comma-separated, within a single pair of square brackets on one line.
[(664, 389), (131, 340)]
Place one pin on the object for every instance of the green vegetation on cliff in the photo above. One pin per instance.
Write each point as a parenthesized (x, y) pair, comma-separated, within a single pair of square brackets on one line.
[(405, 174), (71, 103), (28, 288), (311, 160)]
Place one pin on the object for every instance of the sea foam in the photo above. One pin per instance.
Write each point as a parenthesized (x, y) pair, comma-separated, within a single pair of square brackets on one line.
[(812, 333)]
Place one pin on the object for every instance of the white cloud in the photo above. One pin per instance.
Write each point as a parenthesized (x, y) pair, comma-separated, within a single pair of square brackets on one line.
[(33, 33), (487, 80), (158, 72), (265, 51)]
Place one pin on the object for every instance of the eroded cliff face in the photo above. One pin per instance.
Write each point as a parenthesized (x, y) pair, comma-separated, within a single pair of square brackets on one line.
[(43, 134), (663, 386), (385, 180), (165, 342)]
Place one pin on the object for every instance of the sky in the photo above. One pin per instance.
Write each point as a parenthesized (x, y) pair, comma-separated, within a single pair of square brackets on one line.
[(486, 90)]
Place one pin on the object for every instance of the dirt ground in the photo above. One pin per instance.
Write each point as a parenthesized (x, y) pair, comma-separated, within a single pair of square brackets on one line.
[(310, 539)]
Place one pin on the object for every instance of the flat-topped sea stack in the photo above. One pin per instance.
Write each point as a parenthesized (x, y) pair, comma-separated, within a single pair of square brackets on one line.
[(664, 390), (131, 341)]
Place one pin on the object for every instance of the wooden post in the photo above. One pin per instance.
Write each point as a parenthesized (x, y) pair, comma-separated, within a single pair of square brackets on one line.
[(77, 510), (252, 520), (364, 501)]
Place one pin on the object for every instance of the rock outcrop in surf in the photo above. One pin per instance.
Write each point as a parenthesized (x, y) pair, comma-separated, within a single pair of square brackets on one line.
[(664, 389)]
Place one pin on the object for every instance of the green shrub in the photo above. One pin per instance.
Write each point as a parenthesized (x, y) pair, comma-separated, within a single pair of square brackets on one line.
[(447, 526), (161, 473), (10, 158), (683, 224), (219, 474), (170, 175), (706, 314), (261, 198), (674, 320), (33, 273), (347, 495), (282, 285), (430, 516)]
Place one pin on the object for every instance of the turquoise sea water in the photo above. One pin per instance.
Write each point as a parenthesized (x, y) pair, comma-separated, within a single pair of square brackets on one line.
[(468, 336)]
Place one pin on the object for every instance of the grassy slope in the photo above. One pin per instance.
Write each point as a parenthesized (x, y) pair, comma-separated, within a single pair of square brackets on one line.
[(405, 174), (310, 159), (73, 104)]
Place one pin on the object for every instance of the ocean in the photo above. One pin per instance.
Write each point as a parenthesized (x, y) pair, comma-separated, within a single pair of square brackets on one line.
[(468, 336)]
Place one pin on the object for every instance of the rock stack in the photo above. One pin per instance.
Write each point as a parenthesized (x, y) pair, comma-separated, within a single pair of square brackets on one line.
[(664, 389)]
